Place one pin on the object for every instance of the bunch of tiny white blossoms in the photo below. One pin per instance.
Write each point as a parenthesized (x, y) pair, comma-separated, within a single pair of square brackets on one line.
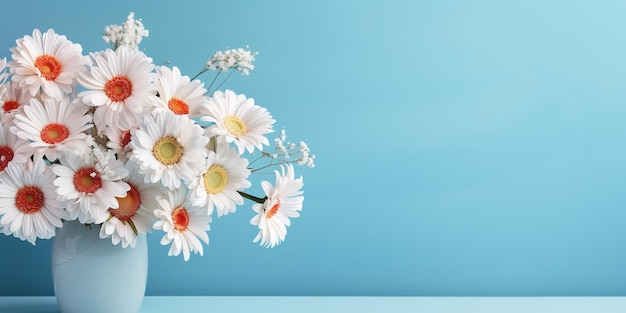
[(111, 139), (130, 33), (238, 59)]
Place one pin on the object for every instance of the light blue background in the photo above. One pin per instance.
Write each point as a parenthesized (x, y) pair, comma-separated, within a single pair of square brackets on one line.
[(464, 147)]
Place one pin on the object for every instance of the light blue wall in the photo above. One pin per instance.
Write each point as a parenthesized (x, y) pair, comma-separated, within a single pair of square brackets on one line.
[(464, 147)]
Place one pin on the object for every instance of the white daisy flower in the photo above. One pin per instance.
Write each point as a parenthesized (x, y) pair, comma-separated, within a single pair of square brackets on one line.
[(284, 201), (13, 148), (54, 127), (178, 94), (237, 119), (169, 148), (120, 86), (89, 186), (184, 225), (134, 214), (224, 173), (119, 139), (47, 62), (13, 98), (28, 203)]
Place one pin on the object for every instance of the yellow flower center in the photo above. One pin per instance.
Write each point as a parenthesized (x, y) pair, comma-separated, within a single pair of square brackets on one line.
[(235, 125), (167, 150), (215, 179), (49, 67)]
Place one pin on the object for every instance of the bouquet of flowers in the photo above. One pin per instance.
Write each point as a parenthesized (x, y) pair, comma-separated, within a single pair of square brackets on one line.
[(110, 138)]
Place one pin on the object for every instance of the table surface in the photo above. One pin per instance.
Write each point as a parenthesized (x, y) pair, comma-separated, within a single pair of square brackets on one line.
[(157, 304)]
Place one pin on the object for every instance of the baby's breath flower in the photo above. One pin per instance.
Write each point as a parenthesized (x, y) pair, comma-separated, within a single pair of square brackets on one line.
[(113, 34), (104, 163), (289, 152), (238, 59), (128, 34)]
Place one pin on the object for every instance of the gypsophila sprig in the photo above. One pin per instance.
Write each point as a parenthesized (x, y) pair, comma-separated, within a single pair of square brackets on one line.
[(129, 34), (111, 140), (287, 152), (230, 61), (238, 59)]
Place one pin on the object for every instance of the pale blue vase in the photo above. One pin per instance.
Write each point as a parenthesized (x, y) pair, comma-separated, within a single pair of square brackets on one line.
[(93, 275)]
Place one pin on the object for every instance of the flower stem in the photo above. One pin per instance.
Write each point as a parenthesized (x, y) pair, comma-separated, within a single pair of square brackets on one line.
[(258, 158), (208, 89), (197, 75), (252, 198), (223, 81), (273, 164)]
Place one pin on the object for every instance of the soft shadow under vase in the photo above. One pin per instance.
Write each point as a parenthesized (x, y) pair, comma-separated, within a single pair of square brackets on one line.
[(93, 275)]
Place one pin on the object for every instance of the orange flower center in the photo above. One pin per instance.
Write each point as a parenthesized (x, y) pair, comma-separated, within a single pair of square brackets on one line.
[(87, 179), (29, 199), (118, 88), (128, 205), (273, 210), (49, 67), (54, 133), (180, 217), (178, 106), (125, 139), (6, 155), (10, 105)]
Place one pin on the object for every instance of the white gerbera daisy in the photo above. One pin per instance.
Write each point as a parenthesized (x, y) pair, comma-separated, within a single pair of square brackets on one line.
[(168, 148), (120, 86), (13, 99), (13, 148), (237, 119), (28, 203), (178, 94), (224, 173), (48, 63), (89, 186), (54, 127), (119, 139), (134, 214), (284, 201), (182, 223)]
